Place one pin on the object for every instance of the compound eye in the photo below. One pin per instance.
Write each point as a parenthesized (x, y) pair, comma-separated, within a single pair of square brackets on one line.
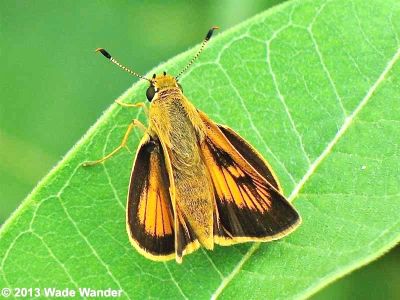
[(151, 91)]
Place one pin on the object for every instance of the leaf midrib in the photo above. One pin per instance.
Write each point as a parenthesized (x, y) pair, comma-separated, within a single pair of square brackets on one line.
[(346, 124)]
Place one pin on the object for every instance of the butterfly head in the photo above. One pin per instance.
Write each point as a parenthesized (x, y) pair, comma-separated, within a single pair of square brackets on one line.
[(160, 83)]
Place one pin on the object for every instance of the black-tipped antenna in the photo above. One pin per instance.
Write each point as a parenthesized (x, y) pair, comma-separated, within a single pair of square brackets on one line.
[(208, 37), (108, 55)]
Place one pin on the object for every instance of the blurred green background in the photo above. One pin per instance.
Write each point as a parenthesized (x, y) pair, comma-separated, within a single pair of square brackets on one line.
[(53, 87)]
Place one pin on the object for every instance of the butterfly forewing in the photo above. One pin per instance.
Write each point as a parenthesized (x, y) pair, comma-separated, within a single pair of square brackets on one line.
[(150, 218), (250, 155), (248, 206)]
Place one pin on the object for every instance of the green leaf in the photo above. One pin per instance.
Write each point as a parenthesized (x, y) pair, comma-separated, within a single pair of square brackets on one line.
[(315, 87)]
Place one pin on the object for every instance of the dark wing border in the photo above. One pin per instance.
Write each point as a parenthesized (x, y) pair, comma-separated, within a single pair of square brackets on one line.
[(159, 248)]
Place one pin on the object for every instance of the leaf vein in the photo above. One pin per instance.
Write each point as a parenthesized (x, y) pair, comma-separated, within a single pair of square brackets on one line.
[(321, 59), (174, 281), (255, 129), (279, 93)]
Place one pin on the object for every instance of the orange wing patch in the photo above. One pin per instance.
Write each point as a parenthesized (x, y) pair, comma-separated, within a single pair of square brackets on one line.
[(233, 185), (154, 213)]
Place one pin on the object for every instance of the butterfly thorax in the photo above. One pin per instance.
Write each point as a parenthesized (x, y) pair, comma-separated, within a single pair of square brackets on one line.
[(166, 87)]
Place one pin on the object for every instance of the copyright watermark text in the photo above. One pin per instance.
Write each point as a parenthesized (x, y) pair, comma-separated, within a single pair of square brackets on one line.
[(59, 293)]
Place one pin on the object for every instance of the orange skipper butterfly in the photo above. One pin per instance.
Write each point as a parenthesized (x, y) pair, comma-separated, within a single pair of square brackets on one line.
[(194, 182)]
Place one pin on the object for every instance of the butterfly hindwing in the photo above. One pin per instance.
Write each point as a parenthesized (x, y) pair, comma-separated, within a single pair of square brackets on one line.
[(150, 217), (249, 204), (186, 240)]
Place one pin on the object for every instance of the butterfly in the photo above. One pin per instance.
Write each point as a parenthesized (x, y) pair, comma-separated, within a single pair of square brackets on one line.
[(194, 182)]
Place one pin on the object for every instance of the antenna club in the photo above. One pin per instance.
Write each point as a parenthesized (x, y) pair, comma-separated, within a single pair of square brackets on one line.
[(104, 52), (208, 36), (210, 32), (114, 61)]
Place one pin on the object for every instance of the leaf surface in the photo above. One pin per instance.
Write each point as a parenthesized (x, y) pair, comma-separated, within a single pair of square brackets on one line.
[(314, 86)]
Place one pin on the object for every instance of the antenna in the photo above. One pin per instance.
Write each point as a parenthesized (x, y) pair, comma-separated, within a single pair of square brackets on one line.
[(208, 37), (108, 55)]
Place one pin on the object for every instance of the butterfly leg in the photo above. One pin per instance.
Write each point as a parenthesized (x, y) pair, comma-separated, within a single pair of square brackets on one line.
[(140, 104), (133, 124)]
